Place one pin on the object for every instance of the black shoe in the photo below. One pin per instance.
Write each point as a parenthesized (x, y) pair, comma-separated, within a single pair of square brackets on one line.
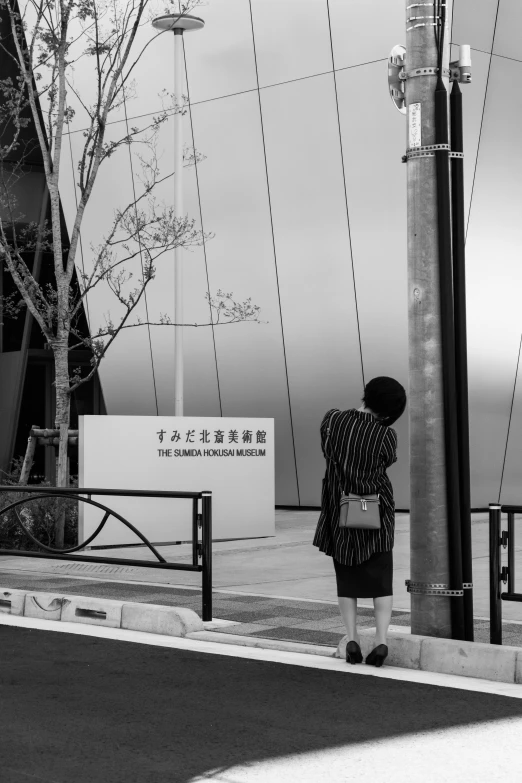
[(353, 653), (377, 655)]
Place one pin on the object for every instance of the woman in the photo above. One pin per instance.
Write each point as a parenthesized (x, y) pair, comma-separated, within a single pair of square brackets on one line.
[(361, 445)]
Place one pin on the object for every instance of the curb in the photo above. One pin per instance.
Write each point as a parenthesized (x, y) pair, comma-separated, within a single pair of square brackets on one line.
[(425, 653), (148, 618), (264, 644), (446, 656)]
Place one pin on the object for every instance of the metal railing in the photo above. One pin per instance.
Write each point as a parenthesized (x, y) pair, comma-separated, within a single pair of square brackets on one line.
[(201, 550), (497, 573)]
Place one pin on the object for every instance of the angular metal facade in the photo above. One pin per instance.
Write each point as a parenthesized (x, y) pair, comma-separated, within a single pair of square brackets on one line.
[(304, 189)]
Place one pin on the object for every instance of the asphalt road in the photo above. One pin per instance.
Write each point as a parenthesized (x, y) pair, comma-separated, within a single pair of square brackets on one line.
[(84, 709)]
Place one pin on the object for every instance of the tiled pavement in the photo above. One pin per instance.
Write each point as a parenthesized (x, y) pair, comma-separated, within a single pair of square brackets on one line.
[(315, 622)]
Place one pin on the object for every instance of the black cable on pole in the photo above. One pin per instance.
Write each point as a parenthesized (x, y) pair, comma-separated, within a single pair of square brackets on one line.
[(447, 338), (461, 351)]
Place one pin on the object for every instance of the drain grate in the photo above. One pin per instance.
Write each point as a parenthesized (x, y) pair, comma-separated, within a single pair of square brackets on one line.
[(95, 568)]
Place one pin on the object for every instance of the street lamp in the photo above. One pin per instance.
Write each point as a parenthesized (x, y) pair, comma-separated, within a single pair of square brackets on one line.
[(179, 24)]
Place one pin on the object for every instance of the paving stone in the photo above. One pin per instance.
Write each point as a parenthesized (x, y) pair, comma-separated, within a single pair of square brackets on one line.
[(244, 599), (310, 606), (319, 625), (239, 605), (364, 612), (120, 593), (365, 622), (247, 629), (30, 583), (401, 619), (249, 617), (285, 611), (511, 640), (236, 615), (298, 634), (283, 622), (327, 622)]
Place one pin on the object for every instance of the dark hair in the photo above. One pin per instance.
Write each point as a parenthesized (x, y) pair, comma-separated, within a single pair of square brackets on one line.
[(386, 398)]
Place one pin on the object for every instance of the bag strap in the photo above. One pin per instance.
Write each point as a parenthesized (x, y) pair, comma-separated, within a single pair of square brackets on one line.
[(330, 458)]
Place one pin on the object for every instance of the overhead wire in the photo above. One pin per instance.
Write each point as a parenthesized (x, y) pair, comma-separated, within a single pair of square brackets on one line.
[(140, 246), (509, 422), (204, 244)]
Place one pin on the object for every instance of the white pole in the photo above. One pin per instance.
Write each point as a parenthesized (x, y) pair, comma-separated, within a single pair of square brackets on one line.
[(178, 211)]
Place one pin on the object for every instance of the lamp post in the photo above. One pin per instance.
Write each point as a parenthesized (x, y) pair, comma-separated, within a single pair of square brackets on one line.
[(179, 24)]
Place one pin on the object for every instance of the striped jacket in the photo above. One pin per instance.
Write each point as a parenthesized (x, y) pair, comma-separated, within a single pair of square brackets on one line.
[(363, 449)]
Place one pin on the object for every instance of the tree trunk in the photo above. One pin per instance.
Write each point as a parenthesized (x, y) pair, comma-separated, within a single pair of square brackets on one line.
[(63, 415)]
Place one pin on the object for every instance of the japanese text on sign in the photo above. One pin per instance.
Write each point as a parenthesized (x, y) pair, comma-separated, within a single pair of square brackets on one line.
[(234, 436), (224, 438), (414, 125)]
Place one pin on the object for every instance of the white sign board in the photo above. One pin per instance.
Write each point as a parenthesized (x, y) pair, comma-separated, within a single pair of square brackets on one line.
[(231, 457), (414, 125)]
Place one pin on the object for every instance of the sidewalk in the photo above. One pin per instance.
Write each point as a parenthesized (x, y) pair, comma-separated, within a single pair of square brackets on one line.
[(279, 588)]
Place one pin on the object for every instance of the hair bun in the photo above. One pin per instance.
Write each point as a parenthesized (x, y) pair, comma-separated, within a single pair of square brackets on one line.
[(386, 397)]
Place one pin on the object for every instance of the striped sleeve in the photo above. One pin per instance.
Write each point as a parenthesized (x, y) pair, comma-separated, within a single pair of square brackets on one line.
[(324, 427), (389, 448)]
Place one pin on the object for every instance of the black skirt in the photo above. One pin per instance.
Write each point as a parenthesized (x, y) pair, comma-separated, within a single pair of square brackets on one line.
[(370, 579)]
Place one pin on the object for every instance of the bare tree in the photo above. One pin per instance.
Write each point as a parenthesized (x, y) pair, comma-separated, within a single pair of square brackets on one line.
[(43, 40)]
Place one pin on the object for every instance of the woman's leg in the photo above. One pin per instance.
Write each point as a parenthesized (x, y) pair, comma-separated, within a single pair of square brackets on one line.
[(348, 608), (383, 612)]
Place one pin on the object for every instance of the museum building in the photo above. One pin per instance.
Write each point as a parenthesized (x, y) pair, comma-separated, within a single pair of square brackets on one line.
[(300, 185)]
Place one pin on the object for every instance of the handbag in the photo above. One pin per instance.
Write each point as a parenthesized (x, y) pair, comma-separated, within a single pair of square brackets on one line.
[(361, 512)]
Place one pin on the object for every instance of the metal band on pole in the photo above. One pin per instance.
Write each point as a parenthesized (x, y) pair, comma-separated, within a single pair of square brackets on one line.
[(429, 151), (423, 72), (424, 588)]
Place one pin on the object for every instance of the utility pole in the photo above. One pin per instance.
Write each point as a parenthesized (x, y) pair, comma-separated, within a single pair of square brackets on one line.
[(440, 519), (429, 539)]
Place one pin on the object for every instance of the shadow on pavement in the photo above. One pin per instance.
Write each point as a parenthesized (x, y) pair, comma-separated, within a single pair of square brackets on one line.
[(84, 709)]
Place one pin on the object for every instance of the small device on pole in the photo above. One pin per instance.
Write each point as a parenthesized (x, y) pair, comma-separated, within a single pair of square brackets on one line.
[(178, 24)]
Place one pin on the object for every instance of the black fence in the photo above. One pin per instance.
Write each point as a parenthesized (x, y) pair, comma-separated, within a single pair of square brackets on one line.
[(201, 550), (499, 574)]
